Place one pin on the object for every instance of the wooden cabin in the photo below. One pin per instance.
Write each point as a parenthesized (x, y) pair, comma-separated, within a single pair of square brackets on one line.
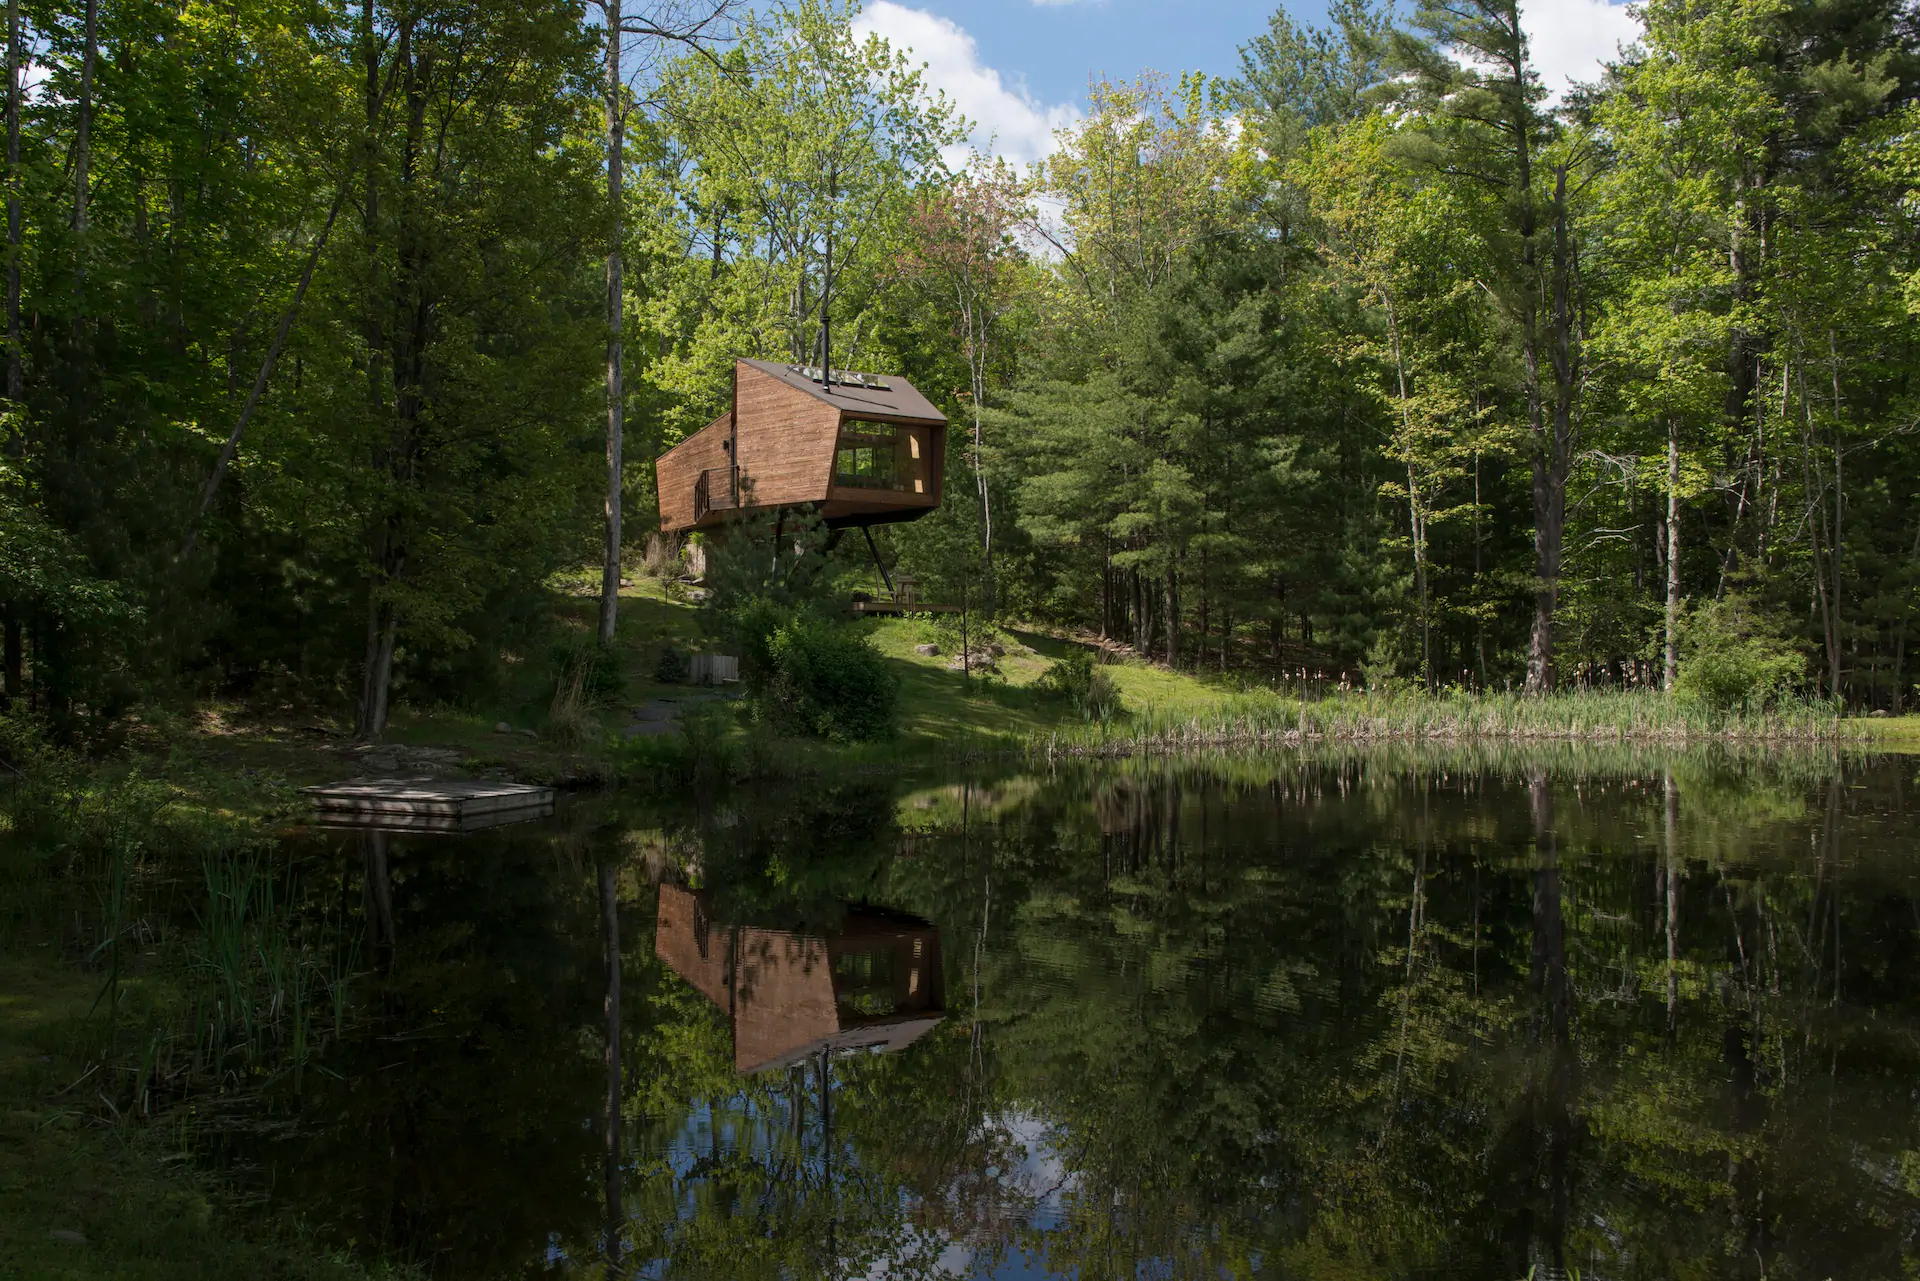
[(876, 983), (860, 448)]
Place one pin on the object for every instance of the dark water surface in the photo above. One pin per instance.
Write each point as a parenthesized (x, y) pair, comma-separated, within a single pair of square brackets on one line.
[(1371, 1016)]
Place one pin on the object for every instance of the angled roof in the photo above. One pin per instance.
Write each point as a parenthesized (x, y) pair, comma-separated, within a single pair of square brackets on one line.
[(884, 395)]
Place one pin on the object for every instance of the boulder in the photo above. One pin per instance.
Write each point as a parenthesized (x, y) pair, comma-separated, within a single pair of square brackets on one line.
[(928, 650)]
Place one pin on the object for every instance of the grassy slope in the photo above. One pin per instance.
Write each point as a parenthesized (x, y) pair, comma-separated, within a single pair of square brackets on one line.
[(227, 755)]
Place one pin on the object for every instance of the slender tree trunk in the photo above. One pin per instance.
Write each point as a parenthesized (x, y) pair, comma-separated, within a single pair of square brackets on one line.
[(1416, 522), (1900, 637), (1173, 617), (1480, 625), (1672, 654), (1553, 452), (13, 636), (616, 374), (1106, 586), (1839, 525), (986, 500), (15, 657), (407, 349), (1829, 620), (383, 630), (83, 136), (16, 379)]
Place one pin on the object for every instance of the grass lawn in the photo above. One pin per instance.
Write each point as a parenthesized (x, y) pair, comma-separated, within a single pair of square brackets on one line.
[(250, 761), (1892, 733)]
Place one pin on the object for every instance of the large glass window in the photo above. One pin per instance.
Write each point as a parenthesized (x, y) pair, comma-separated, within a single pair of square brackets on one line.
[(880, 456)]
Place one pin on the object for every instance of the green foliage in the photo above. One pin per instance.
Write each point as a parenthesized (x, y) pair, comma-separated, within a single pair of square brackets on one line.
[(1086, 684), (1733, 659), (1298, 384), (587, 679), (671, 666), (810, 676)]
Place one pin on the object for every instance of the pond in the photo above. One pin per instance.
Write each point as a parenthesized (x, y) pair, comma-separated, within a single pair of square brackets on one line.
[(1381, 1014)]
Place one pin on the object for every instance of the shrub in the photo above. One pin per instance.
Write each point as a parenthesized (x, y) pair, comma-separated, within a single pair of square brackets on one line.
[(584, 662), (947, 630), (824, 679), (588, 679), (670, 668), (1732, 660), (1089, 687)]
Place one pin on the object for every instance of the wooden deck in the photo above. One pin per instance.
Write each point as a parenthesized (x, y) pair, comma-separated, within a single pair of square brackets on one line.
[(428, 804)]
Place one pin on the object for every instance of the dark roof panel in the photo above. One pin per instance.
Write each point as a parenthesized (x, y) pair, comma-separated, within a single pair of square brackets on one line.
[(883, 395)]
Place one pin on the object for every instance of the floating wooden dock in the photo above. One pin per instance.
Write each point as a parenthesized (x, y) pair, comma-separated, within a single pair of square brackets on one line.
[(428, 804)]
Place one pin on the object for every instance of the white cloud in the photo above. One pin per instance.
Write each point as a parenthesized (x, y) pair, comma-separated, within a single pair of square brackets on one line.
[(1571, 39), (1007, 120)]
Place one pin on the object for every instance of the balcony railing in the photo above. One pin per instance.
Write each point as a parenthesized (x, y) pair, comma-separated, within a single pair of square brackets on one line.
[(715, 490)]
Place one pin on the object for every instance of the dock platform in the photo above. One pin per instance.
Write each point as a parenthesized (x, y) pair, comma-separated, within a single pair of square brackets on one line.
[(428, 804)]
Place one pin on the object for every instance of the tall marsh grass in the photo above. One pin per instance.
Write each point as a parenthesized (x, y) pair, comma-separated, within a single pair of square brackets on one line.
[(1261, 719), (208, 965), (265, 995)]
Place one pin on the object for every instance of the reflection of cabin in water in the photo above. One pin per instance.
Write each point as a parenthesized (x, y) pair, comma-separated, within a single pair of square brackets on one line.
[(876, 983), (862, 449)]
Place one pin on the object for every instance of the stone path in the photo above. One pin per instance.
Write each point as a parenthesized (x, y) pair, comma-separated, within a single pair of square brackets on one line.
[(658, 716)]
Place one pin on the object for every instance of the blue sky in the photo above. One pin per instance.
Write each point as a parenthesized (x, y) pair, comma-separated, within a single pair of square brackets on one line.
[(1053, 48), (1019, 68)]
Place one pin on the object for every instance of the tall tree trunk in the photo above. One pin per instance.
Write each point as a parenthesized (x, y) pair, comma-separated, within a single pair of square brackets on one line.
[(1553, 451), (1672, 654), (408, 339), (16, 379), (83, 136), (1173, 616), (1416, 519), (1900, 637), (1836, 672), (12, 642), (1829, 619), (974, 316), (616, 374), (383, 629)]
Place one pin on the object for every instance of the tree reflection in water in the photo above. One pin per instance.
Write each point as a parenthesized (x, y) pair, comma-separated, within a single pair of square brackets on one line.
[(1377, 1015)]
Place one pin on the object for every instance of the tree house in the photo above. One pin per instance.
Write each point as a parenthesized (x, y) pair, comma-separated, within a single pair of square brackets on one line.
[(860, 449)]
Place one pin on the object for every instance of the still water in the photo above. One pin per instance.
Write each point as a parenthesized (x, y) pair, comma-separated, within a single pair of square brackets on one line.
[(1380, 1015)]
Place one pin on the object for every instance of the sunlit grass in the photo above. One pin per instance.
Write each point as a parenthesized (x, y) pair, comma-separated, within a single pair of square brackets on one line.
[(1890, 733)]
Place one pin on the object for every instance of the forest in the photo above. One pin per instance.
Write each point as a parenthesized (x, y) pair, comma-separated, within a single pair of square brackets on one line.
[(335, 330)]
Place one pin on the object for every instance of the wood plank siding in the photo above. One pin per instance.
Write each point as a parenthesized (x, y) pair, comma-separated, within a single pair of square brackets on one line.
[(797, 440), (786, 440), (677, 471)]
